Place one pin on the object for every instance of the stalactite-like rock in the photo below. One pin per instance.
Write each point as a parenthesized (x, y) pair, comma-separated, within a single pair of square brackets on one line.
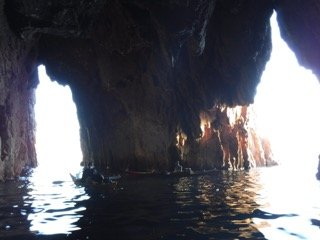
[(142, 71), (229, 141)]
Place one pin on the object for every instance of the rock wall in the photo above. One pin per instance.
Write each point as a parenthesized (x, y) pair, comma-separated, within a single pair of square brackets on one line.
[(18, 77), (148, 68), (299, 27), (229, 140), (141, 72)]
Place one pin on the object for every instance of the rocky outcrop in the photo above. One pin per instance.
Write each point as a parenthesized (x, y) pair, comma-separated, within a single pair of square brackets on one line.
[(299, 28), (18, 77), (229, 140), (142, 72), (147, 69)]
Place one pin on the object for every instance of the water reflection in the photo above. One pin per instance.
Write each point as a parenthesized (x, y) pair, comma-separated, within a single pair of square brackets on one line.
[(13, 210), (54, 204), (219, 206), (293, 191), (225, 205)]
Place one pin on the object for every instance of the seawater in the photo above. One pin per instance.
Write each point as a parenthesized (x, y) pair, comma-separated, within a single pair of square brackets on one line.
[(266, 203)]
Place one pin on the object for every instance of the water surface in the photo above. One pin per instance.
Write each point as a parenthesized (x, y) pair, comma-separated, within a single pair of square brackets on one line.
[(258, 204)]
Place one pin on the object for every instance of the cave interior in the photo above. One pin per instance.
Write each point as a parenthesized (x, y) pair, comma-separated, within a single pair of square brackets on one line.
[(154, 82)]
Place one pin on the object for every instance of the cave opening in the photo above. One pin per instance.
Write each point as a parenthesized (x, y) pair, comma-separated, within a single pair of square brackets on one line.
[(57, 129), (286, 106)]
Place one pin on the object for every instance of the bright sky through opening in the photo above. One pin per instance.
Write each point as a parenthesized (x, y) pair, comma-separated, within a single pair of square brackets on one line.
[(57, 132), (287, 106)]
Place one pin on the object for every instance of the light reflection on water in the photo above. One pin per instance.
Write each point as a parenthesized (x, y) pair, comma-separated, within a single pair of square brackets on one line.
[(259, 204), (223, 208), (295, 192), (54, 204)]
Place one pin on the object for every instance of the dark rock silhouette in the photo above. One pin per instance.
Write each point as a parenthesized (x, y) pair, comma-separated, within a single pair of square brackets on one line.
[(141, 71)]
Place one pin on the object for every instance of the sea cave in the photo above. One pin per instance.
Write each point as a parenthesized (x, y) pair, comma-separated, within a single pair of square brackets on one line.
[(156, 85)]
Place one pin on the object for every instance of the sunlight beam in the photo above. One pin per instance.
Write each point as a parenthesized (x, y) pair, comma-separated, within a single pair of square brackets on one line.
[(287, 105), (57, 132)]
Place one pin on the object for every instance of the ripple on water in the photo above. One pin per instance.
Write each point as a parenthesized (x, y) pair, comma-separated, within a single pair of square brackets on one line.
[(224, 205), (55, 208)]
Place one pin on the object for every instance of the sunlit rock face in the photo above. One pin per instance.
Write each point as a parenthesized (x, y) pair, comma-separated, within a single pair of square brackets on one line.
[(142, 71), (229, 140)]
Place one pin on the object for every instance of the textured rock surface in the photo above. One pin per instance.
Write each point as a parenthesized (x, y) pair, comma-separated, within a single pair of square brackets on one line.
[(142, 71), (299, 26), (229, 140), (147, 69), (17, 79)]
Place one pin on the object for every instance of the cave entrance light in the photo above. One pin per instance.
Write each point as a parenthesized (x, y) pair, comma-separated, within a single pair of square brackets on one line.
[(287, 107), (57, 130)]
